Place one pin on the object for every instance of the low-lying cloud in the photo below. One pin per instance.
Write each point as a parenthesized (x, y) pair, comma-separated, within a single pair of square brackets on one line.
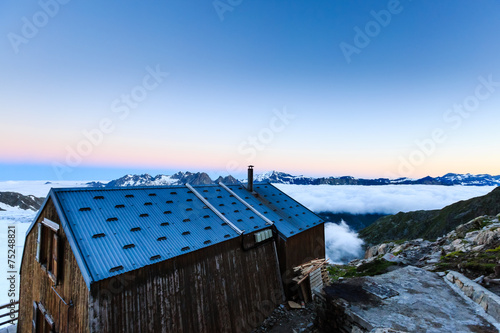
[(387, 199), (341, 243)]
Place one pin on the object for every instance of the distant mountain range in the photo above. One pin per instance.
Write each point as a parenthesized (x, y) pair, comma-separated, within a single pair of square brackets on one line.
[(277, 177), (17, 200)]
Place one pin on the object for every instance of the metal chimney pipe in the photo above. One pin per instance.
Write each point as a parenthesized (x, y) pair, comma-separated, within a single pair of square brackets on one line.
[(250, 178)]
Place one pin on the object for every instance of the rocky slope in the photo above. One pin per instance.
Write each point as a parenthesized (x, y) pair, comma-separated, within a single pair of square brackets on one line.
[(472, 248), (430, 224)]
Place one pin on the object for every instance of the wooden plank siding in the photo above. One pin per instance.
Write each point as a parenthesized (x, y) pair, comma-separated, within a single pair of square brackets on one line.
[(217, 289), (35, 284), (296, 250)]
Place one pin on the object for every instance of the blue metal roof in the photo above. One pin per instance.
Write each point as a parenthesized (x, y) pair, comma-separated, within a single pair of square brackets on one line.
[(113, 231)]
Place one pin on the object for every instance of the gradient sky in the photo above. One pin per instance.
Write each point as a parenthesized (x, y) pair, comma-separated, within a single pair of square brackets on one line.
[(389, 108)]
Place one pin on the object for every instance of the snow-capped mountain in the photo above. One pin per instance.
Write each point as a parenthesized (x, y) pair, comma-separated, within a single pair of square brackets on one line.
[(180, 178), (277, 177), (448, 179)]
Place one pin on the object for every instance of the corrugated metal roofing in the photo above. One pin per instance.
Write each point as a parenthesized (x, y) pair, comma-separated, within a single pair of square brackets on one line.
[(122, 229)]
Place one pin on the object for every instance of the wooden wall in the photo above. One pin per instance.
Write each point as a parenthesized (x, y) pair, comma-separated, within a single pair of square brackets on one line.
[(296, 250), (35, 285), (217, 289)]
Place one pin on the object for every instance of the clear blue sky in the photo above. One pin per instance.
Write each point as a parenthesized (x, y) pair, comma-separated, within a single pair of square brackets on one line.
[(94, 90)]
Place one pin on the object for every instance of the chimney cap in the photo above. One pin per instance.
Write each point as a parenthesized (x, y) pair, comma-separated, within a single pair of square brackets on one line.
[(250, 166)]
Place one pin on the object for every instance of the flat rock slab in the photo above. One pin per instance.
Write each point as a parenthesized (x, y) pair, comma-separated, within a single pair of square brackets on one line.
[(409, 299)]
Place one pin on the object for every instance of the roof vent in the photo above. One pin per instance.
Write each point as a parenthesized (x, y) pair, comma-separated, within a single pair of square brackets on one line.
[(208, 228), (152, 194), (256, 227), (186, 220), (219, 196), (227, 236), (84, 209), (189, 209), (233, 203), (135, 229), (189, 199), (98, 197), (167, 212), (173, 192), (165, 224), (185, 233), (236, 211), (207, 242), (156, 257), (185, 248), (114, 269), (129, 196), (239, 220), (144, 215), (128, 246), (223, 224), (161, 238), (206, 216), (205, 190), (219, 205), (189, 191), (148, 203), (218, 190), (111, 219), (169, 201), (120, 206), (252, 217), (98, 235), (231, 196)]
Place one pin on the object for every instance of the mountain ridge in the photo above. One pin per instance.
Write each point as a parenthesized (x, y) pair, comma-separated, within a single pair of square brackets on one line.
[(277, 177)]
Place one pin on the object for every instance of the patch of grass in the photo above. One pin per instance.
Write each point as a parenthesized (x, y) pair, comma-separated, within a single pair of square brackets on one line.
[(497, 249), (454, 254), (375, 267)]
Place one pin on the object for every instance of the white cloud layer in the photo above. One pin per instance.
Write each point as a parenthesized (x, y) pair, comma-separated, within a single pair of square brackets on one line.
[(342, 244), (387, 199)]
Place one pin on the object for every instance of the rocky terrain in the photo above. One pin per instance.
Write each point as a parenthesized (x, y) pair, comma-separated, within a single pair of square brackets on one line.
[(472, 248)]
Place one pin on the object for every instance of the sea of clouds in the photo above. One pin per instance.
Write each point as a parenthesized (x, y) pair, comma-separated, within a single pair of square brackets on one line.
[(342, 243)]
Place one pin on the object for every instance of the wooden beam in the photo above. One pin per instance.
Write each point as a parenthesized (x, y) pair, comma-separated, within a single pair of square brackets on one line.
[(52, 225)]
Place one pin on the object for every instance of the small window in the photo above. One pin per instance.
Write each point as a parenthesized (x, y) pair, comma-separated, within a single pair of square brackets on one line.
[(48, 252)]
